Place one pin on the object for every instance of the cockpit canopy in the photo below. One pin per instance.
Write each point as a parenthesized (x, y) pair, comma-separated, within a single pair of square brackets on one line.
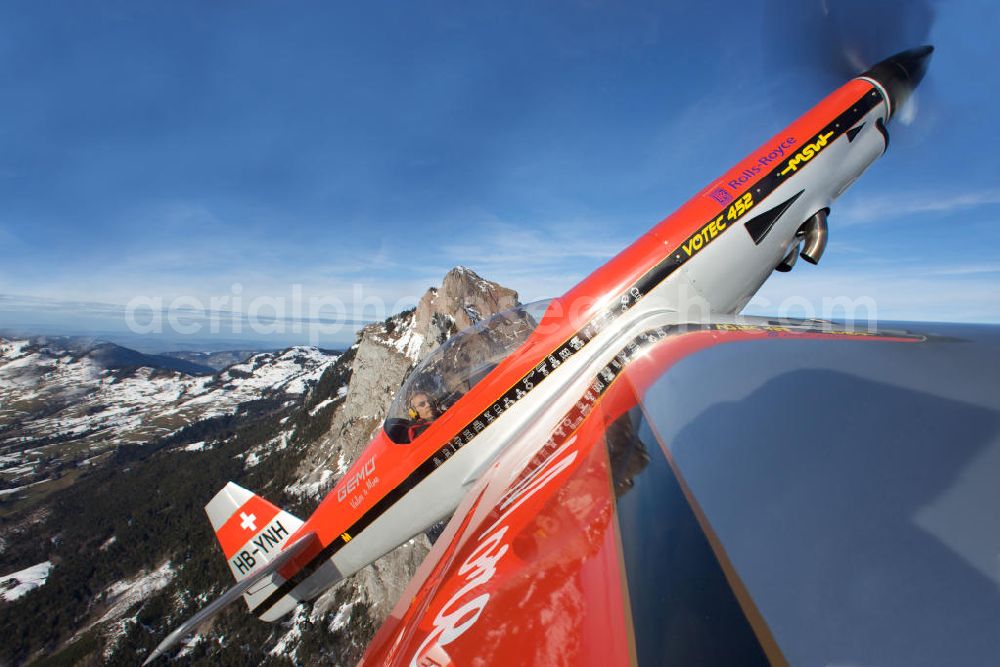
[(456, 367)]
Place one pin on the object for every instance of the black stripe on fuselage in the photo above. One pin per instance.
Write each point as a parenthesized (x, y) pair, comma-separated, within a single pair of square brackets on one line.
[(625, 302)]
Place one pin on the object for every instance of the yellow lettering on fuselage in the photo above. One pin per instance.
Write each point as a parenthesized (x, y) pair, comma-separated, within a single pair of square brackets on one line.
[(807, 153), (705, 235)]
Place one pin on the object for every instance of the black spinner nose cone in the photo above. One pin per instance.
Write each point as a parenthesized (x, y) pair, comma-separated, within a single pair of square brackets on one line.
[(901, 73)]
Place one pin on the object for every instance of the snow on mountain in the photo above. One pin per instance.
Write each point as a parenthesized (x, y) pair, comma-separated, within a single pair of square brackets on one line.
[(60, 407), (216, 360), (291, 371), (124, 595), (17, 584)]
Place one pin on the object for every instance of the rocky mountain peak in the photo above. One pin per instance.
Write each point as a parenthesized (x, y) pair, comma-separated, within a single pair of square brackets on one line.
[(465, 298)]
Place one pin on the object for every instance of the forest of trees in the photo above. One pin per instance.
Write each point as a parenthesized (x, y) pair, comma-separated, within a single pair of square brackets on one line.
[(150, 498)]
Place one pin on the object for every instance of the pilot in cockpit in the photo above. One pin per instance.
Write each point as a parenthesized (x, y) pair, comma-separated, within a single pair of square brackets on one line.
[(453, 369), (423, 410)]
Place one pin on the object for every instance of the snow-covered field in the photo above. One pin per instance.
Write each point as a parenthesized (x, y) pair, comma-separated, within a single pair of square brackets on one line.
[(124, 595), (51, 396), (17, 584)]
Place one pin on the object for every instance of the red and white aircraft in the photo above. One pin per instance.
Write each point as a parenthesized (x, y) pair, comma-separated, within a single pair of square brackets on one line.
[(520, 384)]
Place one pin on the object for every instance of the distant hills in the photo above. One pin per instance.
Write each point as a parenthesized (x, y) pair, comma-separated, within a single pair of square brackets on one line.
[(67, 402), (213, 360), (112, 356), (116, 357)]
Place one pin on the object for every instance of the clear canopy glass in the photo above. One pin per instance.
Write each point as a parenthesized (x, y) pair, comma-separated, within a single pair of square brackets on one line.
[(456, 367)]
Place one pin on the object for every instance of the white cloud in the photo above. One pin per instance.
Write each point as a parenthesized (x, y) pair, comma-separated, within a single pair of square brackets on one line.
[(967, 270), (946, 293), (896, 206)]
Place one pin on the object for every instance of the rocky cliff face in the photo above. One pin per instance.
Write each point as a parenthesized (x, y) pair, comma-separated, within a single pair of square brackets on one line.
[(463, 300)]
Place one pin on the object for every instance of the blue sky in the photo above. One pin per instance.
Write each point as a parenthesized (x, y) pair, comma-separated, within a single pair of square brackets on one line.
[(164, 150)]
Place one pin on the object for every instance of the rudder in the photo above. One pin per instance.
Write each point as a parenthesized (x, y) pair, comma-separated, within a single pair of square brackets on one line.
[(251, 532)]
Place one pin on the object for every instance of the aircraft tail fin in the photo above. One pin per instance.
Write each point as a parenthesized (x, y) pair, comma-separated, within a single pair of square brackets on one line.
[(256, 537), (251, 532)]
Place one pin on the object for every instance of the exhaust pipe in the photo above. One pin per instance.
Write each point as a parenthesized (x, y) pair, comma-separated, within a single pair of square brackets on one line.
[(785, 265), (816, 233)]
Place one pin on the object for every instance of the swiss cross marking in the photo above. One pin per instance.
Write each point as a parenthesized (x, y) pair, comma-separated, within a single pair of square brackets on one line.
[(248, 521)]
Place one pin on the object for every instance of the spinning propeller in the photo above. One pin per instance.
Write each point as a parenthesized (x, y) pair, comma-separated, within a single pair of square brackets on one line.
[(829, 41)]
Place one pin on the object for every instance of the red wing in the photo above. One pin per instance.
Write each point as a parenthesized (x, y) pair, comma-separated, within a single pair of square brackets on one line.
[(765, 503)]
